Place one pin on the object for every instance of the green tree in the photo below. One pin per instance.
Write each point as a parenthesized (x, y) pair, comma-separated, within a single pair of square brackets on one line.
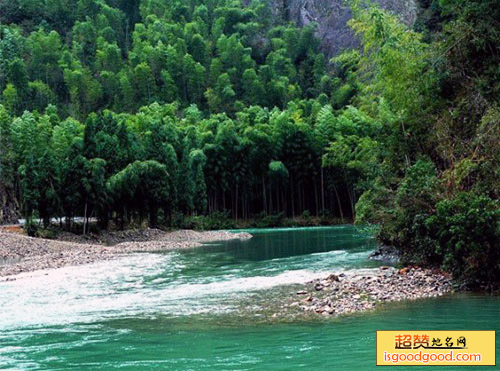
[(141, 186)]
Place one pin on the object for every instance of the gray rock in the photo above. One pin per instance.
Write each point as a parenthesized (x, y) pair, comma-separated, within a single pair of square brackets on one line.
[(332, 16), (361, 292), (318, 287), (333, 278), (386, 255)]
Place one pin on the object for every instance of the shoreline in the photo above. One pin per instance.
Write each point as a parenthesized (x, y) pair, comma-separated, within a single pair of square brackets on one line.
[(363, 291), (23, 254), (337, 294)]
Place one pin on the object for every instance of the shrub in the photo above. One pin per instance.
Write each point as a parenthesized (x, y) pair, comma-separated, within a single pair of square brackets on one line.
[(375, 206), (214, 221), (467, 231), (418, 245), (268, 221), (31, 228), (47, 233), (398, 213), (420, 188), (460, 234)]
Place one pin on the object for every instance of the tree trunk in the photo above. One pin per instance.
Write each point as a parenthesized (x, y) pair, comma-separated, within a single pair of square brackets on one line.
[(316, 198), (264, 197), (85, 218), (236, 206), (284, 205), (322, 189), (339, 203), (350, 192), (271, 205)]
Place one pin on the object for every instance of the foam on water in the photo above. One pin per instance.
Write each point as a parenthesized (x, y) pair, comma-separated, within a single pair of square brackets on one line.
[(211, 279), (148, 284), (119, 288), (175, 310)]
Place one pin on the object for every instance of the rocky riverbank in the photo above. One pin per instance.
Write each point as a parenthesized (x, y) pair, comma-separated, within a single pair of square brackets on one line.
[(19, 253), (388, 255), (359, 291)]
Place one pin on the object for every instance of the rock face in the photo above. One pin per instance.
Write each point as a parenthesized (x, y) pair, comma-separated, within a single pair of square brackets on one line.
[(332, 17)]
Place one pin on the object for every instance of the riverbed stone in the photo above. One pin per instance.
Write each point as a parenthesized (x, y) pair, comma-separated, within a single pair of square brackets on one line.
[(318, 287), (361, 292)]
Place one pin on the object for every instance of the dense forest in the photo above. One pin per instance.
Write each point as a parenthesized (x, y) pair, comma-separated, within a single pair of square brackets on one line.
[(157, 110)]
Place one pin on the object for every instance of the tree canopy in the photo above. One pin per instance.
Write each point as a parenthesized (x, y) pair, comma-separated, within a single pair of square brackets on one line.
[(133, 110)]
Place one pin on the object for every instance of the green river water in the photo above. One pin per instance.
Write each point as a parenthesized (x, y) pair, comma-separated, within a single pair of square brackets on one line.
[(204, 309)]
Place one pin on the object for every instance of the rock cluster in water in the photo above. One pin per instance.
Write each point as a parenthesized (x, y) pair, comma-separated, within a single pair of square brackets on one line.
[(355, 292), (19, 253)]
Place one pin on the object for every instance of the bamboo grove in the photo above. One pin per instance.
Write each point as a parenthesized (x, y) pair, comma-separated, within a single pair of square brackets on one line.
[(127, 110), (158, 109)]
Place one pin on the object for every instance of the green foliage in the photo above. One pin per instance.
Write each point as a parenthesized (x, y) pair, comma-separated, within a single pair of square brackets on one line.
[(467, 234), (461, 235), (354, 161), (201, 113), (277, 170), (376, 206), (121, 55), (214, 221), (442, 211), (214, 91), (420, 188), (268, 221), (395, 58), (141, 186)]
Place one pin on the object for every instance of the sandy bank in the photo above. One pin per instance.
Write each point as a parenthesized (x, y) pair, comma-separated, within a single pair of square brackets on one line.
[(19, 253)]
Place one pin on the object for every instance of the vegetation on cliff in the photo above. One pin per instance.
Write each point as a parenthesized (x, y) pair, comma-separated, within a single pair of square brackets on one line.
[(436, 195)]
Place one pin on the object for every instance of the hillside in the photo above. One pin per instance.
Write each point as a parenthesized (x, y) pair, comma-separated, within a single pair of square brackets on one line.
[(332, 19), (187, 114)]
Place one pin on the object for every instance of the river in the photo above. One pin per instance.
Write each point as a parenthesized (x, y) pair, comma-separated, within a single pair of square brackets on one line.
[(206, 309)]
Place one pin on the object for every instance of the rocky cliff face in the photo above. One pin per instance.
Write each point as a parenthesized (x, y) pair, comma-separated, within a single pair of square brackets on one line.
[(332, 17)]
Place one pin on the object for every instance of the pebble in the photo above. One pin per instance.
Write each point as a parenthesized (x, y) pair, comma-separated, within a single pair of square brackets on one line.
[(20, 253), (333, 277), (361, 292)]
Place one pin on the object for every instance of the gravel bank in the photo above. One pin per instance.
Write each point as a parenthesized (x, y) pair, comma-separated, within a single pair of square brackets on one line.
[(20, 253), (361, 291)]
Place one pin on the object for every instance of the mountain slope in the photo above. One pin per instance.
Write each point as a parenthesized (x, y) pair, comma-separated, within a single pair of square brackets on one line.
[(332, 17)]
